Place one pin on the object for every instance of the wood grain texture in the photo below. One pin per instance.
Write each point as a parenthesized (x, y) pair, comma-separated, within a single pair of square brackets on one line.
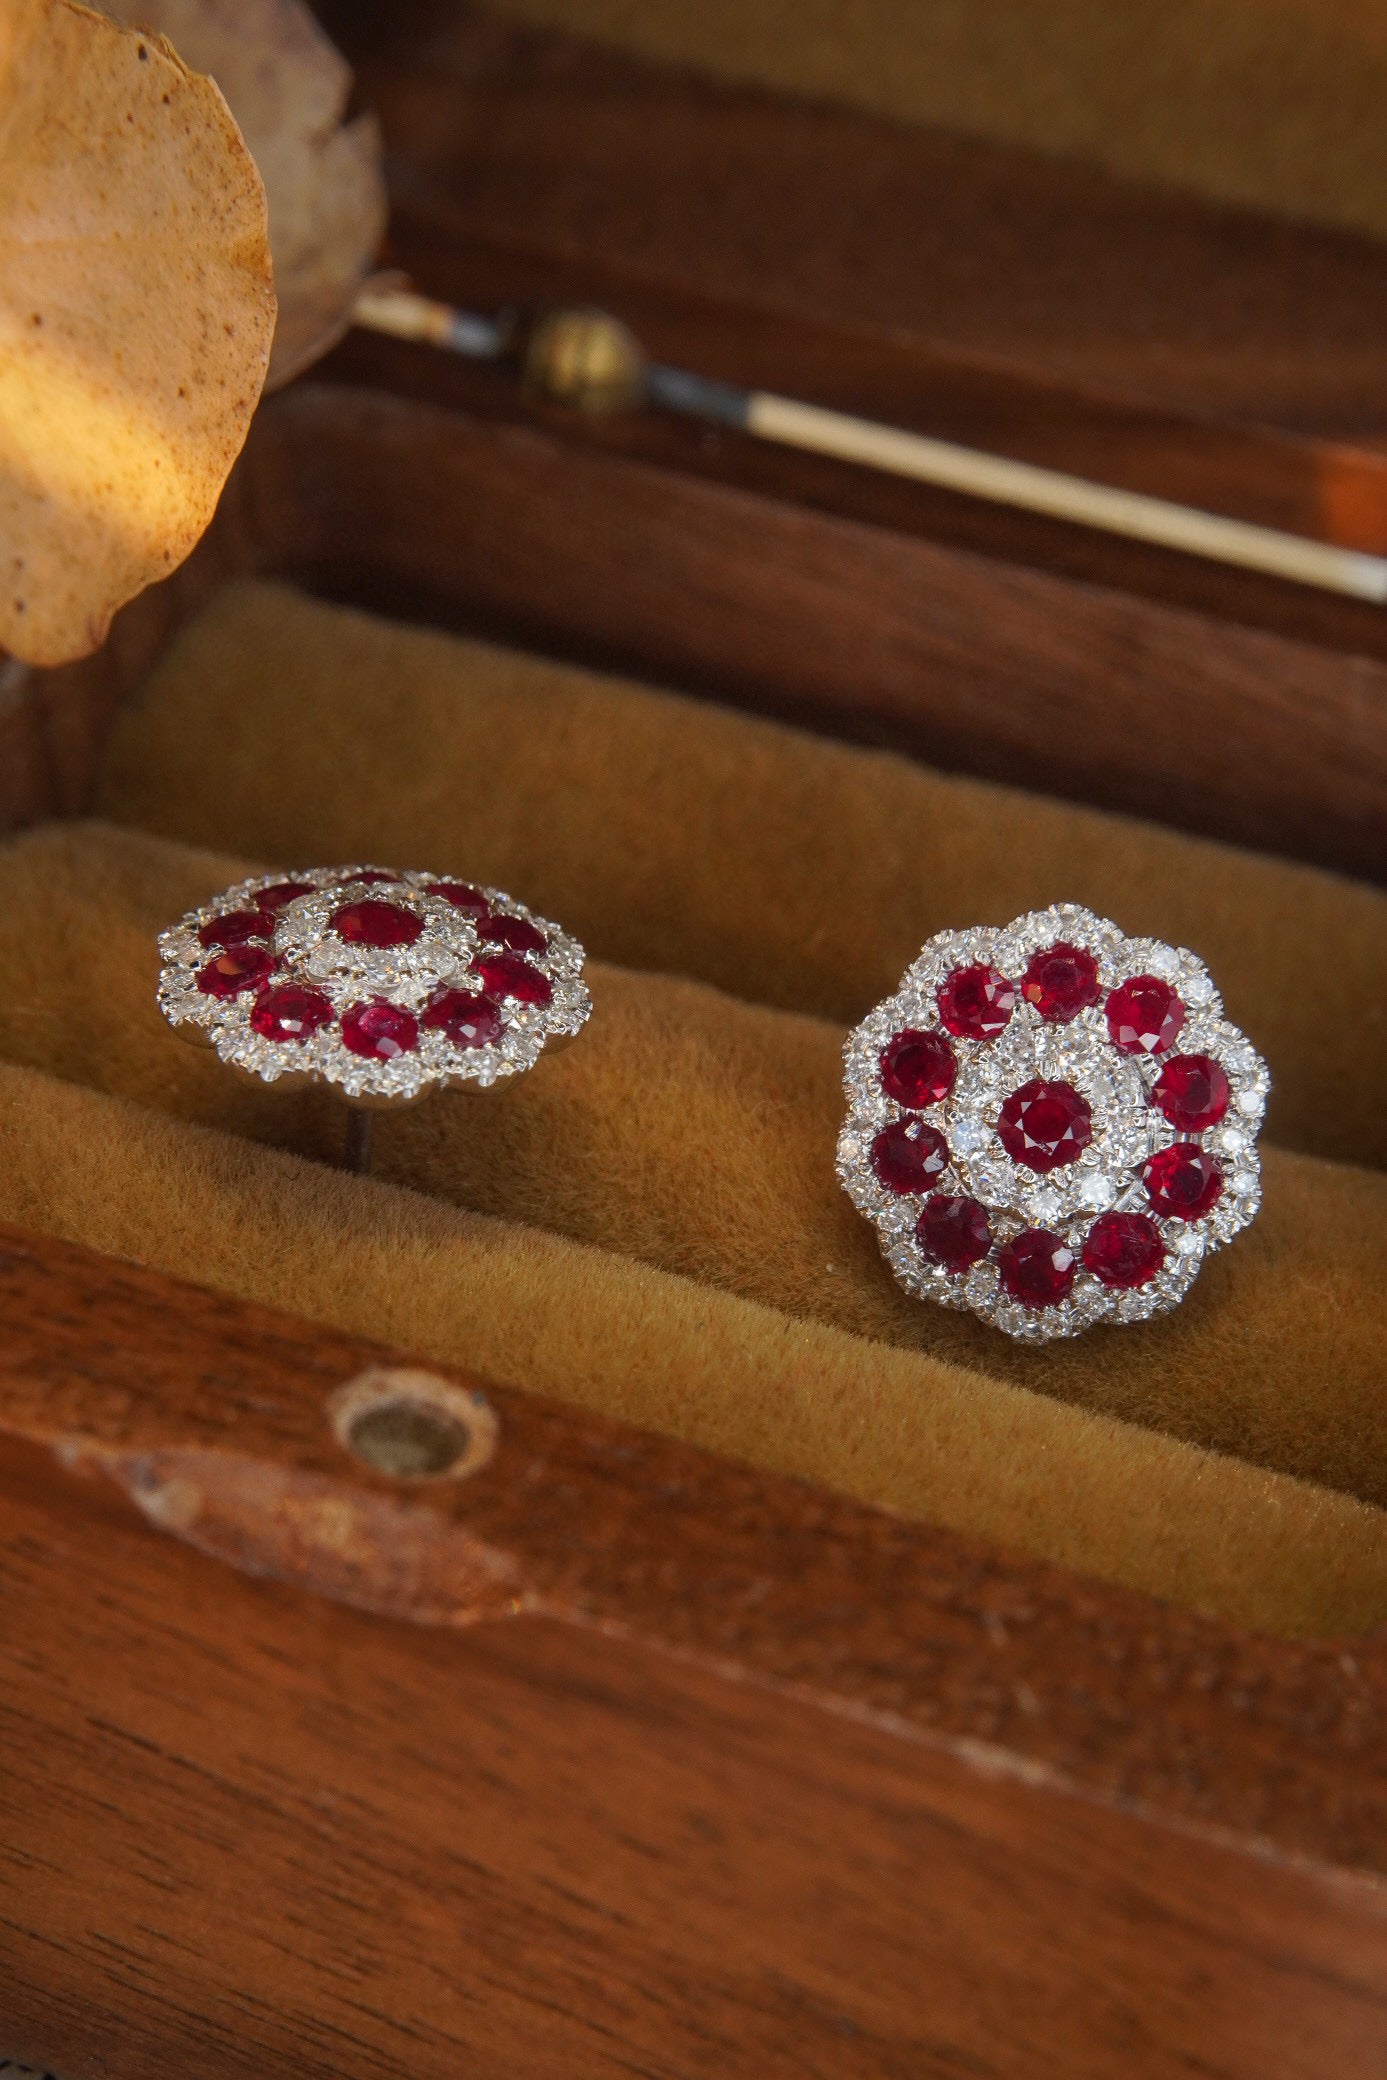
[(749, 1781), (1225, 730), (857, 630), (545, 145), (989, 297), (1326, 491)]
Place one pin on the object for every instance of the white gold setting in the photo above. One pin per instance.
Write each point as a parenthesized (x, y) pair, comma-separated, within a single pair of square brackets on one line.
[(1111, 1086), (343, 974)]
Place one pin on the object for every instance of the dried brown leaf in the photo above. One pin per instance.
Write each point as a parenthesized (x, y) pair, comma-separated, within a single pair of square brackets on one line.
[(287, 86), (136, 311)]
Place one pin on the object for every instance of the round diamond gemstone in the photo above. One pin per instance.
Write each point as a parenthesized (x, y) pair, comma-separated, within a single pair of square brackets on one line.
[(1192, 1092), (917, 1068), (908, 1155), (1182, 1182), (1036, 1268), (235, 927), (1061, 981), (236, 969), (1045, 1125), (281, 892), (1096, 1190), (466, 1017), (508, 975), (290, 1012), (376, 923), (953, 1233), (380, 1032), (976, 1003), (461, 895), (1124, 1249), (969, 1136), (516, 934), (1144, 1016), (374, 874)]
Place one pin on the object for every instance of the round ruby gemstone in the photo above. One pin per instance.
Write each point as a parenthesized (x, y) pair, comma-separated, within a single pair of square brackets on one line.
[(374, 923), (1144, 1016), (953, 1232), (380, 1032), (1036, 1267), (1045, 1125), (908, 1155), (507, 975), (1192, 1092), (1061, 982), (460, 894), (917, 1068), (467, 1018), (281, 892), (290, 1012), (976, 1003), (238, 968), (1182, 1181), (1124, 1249), (516, 934), (235, 927)]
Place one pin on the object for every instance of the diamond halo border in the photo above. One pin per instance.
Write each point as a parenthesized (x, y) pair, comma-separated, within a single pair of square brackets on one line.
[(1106, 1177), (311, 955)]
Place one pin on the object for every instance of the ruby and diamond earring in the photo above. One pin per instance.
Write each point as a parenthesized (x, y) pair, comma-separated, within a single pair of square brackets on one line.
[(1051, 1124), (387, 985)]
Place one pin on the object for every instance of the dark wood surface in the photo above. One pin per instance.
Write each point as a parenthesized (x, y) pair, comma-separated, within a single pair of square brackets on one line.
[(617, 1755), (993, 297), (536, 140), (1302, 487), (986, 668)]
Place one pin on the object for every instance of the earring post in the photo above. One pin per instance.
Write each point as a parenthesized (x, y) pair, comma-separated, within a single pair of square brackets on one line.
[(356, 1151)]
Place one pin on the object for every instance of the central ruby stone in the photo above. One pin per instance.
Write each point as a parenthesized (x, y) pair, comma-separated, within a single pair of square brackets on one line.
[(372, 922), (1045, 1125)]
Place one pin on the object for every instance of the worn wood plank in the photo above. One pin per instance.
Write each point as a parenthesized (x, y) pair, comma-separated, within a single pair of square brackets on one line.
[(753, 1781)]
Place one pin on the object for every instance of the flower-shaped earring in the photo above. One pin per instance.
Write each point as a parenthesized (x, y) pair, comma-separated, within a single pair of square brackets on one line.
[(388, 985), (1051, 1124)]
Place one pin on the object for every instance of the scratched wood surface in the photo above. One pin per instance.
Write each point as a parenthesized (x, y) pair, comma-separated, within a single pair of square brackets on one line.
[(615, 1756)]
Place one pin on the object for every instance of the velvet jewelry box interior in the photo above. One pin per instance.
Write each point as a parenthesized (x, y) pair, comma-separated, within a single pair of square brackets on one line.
[(651, 1225)]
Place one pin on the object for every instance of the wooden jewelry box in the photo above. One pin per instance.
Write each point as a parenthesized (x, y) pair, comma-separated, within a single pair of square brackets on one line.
[(611, 1752)]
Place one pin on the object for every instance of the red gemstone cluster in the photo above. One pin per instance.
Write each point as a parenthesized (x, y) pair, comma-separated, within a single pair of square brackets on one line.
[(384, 961), (939, 1121)]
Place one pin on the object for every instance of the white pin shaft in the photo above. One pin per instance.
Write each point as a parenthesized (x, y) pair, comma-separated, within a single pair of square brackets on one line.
[(406, 316), (1061, 497)]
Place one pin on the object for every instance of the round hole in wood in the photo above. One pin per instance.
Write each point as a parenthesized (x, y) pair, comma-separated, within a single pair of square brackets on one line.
[(412, 1425)]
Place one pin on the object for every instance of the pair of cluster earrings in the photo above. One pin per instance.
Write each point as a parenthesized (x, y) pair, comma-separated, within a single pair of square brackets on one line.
[(1049, 1124)]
